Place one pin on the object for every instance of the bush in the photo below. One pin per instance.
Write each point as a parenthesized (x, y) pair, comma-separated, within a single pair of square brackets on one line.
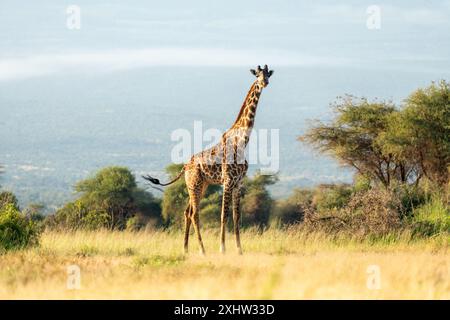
[(134, 224), (331, 196), (7, 197), (211, 209), (256, 202), (375, 212), (16, 232), (432, 218), (140, 222), (291, 210), (107, 200)]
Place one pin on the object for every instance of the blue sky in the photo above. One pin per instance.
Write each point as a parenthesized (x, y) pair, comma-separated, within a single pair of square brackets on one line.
[(114, 35)]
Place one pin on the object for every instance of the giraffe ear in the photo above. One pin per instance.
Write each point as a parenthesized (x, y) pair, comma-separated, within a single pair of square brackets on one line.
[(253, 71), (270, 73)]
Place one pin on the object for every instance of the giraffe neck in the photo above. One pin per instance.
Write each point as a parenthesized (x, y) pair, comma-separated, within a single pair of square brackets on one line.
[(246, 117)]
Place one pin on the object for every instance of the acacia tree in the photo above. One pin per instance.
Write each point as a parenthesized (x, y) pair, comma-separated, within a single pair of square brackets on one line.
[(107, 199), (354, 137), (420, 133)]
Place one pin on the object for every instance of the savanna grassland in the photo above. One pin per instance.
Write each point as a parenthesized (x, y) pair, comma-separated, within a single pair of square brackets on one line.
[(277, 264), (384, 236)]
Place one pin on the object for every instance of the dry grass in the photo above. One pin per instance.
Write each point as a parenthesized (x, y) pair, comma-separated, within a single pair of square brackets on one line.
[(276, 265)]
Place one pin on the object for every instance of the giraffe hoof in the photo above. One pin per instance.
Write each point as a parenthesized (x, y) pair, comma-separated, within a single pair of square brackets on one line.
[(240, 251), (222, 249)]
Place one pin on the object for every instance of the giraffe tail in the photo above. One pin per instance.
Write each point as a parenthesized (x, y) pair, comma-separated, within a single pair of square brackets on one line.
[(156, 181)]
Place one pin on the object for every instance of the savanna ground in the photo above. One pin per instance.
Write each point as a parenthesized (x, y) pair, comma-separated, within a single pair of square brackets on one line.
[(276, 264)]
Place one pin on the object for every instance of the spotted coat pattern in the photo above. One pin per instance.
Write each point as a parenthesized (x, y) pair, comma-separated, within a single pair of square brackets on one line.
[(223, 164)]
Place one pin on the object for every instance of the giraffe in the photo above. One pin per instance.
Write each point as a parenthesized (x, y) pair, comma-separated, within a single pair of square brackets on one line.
[(223, 164)]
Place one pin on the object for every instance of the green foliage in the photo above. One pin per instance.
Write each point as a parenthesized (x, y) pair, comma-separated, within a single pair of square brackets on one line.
[(107, 200), (420, 133), (210, 208), (6, 198), (353, 137), (134, 223), (432, 218), (390, 145), (80, 214), (292, 209), (331, 197), (256, 201), (111, 185), (16, 231), (361, 183), (411, 197), (34, 212), (175, 198)]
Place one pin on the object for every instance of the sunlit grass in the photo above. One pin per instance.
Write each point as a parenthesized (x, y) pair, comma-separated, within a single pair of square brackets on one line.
[(276, 264)]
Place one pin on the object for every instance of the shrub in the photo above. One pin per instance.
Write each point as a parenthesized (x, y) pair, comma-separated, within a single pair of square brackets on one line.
[(411, 197), (7, 197), (432, 218), (16, 232), (331, 196), (134, 224), (211, 209), (291, 210), (106, 200), (374, 212), (256, 203)]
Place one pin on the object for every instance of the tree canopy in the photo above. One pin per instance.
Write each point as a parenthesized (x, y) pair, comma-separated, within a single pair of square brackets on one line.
[(387, 143), (107, 200), (420, 133)]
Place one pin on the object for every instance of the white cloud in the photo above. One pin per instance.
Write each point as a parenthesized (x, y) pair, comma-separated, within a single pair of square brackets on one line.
[(29, 167), (116, 60)]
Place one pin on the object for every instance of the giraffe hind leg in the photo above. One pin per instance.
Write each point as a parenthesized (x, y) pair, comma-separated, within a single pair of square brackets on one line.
[(187, 225), (195, 197)]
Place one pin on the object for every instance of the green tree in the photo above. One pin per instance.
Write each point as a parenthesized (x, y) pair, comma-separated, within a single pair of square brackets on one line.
[(175, 198), (110, 191), (292, 209), (107, 200), (331, 196), (256, 202), (354, 137), (7, 197), (420, 133), (16, 231)]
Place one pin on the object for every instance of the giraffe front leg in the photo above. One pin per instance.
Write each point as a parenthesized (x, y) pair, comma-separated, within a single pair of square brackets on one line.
[(227, 193), (237, 217), (187, 225)]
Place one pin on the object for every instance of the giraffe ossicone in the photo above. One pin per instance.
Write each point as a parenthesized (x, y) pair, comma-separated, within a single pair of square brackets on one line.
[(223, 164)]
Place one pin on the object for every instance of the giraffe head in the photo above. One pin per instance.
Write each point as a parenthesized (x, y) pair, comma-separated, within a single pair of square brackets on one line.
[(262, 75)]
